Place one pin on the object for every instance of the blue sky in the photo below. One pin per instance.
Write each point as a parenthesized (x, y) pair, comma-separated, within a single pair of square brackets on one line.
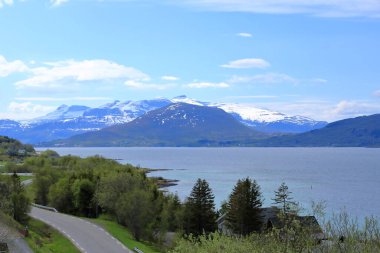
[(315, 58)]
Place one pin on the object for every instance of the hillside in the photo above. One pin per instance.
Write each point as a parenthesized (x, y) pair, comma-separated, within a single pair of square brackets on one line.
[(178, 124), (356, 132), (11, 149)]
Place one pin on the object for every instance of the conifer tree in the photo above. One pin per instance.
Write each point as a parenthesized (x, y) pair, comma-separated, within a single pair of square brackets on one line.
[(284, 200), (200, 215), (243, 208)]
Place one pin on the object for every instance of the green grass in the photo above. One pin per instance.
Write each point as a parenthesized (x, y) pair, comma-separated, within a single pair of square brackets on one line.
[(45, 239), (123, 235), (24, 178), (2, 166)]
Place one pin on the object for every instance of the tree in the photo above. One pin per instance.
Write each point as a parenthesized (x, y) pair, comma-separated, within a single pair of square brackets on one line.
[(43, 179), (243, 214), (20, 201), (13, 199), (284, 200), (83, 191), (61, 196), (171, 213), (200, 215), (136, 210)]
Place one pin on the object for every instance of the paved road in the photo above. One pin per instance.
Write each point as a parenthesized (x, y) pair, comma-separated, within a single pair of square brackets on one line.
[(27, 182), (19, 245), (88, 237), (20, 174), (12, 237)]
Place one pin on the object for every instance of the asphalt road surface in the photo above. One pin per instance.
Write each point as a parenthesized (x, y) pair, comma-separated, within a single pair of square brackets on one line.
[(87, 237)]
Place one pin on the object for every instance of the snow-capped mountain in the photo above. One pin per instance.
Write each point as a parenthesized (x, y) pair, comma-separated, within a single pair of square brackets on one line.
[(67, 121), (178, 124), (63, 112), (270, 121)]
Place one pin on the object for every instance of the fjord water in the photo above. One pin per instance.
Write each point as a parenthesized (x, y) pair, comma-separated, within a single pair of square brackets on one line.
[(346, 178)]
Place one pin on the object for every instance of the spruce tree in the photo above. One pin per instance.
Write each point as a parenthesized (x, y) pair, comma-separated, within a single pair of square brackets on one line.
[(200, 215), (284, 200), (244, 207)]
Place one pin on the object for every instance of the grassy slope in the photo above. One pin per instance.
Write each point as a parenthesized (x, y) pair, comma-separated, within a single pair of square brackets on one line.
[(44, 239), (123, 235), (24, 178)]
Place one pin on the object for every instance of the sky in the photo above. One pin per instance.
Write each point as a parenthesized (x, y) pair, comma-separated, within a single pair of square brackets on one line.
[(317, 58)]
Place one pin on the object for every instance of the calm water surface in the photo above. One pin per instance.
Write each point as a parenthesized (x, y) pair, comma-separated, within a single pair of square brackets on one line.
[(346, 178)]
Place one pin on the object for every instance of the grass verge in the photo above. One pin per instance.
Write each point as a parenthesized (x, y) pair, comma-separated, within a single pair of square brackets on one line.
[(45, 239), (24, 178), (123, 235)]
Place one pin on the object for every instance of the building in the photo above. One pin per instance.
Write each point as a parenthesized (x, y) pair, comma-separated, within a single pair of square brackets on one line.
[(270, 220)]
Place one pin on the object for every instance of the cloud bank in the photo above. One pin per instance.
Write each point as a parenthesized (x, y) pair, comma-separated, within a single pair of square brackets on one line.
[(324, 8), (5, 2), (248, 63), (58, 74)]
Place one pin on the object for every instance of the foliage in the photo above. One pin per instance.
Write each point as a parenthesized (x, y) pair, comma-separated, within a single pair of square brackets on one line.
[(343, 235), (11, 149), (49, 154), (243, 214), (95, 185), (284, 200), (200, 215), (13, 198), (14, 167)]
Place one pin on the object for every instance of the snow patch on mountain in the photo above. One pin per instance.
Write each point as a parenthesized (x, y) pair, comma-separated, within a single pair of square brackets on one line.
[(186, 100), (63, 112), (247, 112)]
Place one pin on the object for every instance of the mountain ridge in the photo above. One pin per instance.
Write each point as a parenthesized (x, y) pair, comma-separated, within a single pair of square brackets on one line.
[(67, 121), (179, 124)]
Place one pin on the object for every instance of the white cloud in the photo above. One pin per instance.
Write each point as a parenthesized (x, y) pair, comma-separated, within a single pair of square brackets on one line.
[(5, 2), (244, 35), (169, 78), (324, 110), (10, 67), (252, 97), (318, 80), (326, 8), (56, 3), (377, 93), (269, 78), (59, 74), (27, 110), (247, 64), (62, 99), (355, 108), (146, 85), (200, 85), (274, 78)]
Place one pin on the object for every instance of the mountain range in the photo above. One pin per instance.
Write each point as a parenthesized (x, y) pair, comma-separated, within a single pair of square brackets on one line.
[(178, 124), (67, 121), (362, 131), (189, 125)]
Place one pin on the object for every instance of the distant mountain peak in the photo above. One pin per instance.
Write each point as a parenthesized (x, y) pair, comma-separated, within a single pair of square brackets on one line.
[(180, 97), (179, 124), (62, 107), (110, 105), (186, 100)]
